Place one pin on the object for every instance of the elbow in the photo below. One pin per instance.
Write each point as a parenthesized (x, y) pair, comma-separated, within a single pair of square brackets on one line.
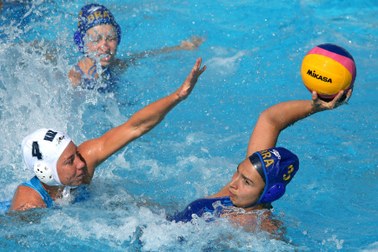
[(268, 118), (272, 120)]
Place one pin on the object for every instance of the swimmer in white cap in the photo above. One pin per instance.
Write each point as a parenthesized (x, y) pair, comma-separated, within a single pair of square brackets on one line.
[(59, 164)]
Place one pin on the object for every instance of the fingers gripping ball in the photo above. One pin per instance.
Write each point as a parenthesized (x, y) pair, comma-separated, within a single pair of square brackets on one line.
[(327, 69)]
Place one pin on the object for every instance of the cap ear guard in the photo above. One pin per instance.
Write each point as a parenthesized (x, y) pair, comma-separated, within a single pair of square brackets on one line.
[(78, 39), (277, 166), (43, 172), (273, 193)]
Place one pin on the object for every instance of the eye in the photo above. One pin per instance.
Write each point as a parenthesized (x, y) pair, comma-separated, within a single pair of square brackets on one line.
[(111, 38), (94, 39), (71, 161), (247, 182)]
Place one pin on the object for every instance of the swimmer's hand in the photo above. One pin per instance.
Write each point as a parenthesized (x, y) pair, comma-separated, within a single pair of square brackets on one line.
[(191, 44), (320, 105), (188, 85)]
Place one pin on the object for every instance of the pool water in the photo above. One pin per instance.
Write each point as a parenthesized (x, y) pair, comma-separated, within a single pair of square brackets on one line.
[(253, 51)]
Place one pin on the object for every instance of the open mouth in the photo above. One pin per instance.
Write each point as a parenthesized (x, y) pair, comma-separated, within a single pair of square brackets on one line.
[(105, 57)]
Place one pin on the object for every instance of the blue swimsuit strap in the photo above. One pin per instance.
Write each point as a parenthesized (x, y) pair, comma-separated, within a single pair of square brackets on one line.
[(35, 184), (78, 69), (91, 72)]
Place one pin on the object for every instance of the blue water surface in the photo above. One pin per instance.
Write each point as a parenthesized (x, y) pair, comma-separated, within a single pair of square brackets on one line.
[(253, 51)]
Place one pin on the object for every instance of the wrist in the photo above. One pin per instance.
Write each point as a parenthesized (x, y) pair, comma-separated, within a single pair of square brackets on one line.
[(316, 107), (180, 94), (176, 97)]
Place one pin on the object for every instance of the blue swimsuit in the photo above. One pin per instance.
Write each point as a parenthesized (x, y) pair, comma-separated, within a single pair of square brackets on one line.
[(88, 81), (35, 184), (81, 193), (202, 206)]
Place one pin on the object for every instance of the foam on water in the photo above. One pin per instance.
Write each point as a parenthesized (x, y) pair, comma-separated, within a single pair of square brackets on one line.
[(253, 51)]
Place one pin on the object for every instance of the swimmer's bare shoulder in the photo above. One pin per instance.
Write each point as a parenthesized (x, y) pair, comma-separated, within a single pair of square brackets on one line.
[(26, 198), (74, 77)]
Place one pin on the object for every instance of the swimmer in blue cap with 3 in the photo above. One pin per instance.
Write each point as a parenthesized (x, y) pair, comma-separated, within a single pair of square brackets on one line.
[(261, 178), (97, 36)]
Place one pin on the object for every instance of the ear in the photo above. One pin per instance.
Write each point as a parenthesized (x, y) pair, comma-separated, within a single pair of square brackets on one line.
[(273, 193), (43, 172), (78, 38)]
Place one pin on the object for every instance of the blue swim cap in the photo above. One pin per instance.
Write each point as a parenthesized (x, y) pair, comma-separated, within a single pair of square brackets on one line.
[(277, 166), (91, 15)]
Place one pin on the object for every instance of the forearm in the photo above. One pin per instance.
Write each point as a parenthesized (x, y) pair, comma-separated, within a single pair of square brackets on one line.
[(141, 122), (97, 150), (273, 120), (276, 118), (286, 113), (190, 44), (146, 118), (155, 52)]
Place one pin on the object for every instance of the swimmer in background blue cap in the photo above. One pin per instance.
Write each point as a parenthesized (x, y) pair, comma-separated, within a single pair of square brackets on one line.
[(97, 36), (95, 15), (261, 178)]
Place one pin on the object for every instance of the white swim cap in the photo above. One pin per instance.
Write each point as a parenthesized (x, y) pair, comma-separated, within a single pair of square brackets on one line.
[(41, 150)]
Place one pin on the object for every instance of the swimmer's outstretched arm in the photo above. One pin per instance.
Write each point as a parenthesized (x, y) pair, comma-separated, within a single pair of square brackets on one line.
[(190, 44), (97, 150), (85, 65), (276, 118)]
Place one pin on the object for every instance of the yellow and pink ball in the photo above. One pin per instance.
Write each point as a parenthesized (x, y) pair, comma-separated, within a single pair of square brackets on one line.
[(327, 69)]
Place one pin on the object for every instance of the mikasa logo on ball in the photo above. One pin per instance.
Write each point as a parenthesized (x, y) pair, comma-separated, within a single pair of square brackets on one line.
[(319, 77)]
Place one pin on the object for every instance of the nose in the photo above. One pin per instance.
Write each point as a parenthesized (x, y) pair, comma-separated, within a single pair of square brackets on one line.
[(79, 162), (104, 44), (234, 181)]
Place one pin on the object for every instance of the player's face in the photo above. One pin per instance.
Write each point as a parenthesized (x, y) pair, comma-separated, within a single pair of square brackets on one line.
[(71, 167), (246, 185), (101, 43)]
